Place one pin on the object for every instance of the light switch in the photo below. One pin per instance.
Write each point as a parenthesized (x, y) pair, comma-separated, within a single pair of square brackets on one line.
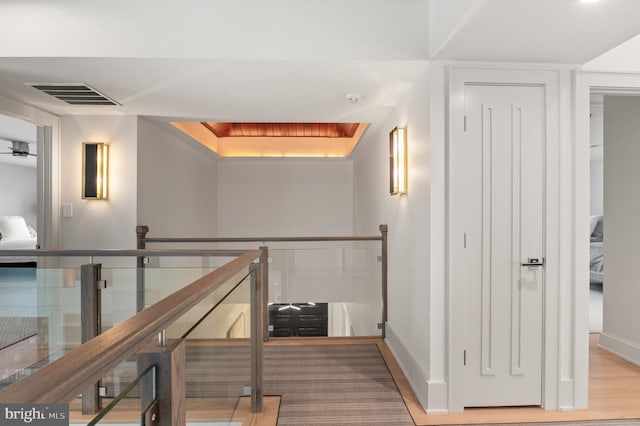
[(67, 210)]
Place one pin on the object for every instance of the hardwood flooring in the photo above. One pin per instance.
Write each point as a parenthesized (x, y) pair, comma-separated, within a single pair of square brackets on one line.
[(614, 393)]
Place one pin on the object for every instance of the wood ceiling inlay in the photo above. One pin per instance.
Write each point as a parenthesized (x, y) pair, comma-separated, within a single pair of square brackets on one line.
[(282, 130), (275, 139)]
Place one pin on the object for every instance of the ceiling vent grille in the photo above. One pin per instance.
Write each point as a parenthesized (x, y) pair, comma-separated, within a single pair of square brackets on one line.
[(74, 94)]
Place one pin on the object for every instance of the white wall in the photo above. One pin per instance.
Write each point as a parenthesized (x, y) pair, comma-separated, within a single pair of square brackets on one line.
[(177, 183), (99, 224), (18, 192), (285, 197), (621, 294), (596, 160), (408, 217)]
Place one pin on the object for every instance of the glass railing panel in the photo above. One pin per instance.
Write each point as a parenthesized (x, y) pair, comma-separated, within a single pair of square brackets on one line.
[(218, 330), (129, 394), (129, 289), (218, 366), (217, 347), (342, 282), (39, 318)]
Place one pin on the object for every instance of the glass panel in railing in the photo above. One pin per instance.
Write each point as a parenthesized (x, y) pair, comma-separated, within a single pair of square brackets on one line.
[(326, 291), (218, 352), (129, 290), (39, 319), (128, 394), (161, 282), (203, 260)]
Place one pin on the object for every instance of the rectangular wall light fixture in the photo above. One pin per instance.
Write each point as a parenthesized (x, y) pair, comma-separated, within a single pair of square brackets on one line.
[(398, 161), (95, 161)]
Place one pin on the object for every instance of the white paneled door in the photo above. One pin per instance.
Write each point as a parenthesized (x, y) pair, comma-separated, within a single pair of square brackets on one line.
[(498, 222)]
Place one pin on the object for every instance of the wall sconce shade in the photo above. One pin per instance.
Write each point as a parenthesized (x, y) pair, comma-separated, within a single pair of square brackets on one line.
[(95, 161), (398, 161)]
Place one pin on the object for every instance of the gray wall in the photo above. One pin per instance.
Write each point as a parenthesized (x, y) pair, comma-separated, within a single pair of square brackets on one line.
[(622, 226), (285, 197), (177, 187), (18, 192), (99, 224)]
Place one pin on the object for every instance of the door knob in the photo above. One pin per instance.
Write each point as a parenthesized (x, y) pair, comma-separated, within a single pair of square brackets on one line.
[(531, 262)]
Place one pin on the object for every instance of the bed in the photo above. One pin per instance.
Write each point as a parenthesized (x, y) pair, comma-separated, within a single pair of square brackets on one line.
[(15, 234), (596, 266)]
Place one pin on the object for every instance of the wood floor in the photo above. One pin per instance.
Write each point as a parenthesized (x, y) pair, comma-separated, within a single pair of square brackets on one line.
[(614, 393)]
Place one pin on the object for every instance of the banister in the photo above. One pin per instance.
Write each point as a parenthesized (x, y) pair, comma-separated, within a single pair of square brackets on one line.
[(142, 231), (122, 252), (65, 378), (256, 239)]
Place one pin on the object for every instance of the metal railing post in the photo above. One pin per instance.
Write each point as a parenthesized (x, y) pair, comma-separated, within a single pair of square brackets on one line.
[(90, 303), (169, 381), (264, 276), (384, 230), (141, 234), (256, 338)]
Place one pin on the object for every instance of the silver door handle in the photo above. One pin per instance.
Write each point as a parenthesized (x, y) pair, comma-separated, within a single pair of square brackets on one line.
[(533, 262)]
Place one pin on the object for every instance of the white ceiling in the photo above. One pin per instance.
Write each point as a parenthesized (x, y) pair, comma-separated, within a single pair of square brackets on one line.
[(547, 31), (282, 60), (219, 90), (624, 58)]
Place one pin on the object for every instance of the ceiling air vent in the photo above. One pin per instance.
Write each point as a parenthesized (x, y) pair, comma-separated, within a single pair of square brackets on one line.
[(74, 94)]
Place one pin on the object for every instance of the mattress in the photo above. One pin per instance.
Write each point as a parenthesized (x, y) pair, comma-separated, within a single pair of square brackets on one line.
[(596, 269), (29, 244)]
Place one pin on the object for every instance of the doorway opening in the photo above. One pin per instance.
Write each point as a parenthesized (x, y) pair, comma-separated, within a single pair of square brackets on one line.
[(18, 186), (596, 212)]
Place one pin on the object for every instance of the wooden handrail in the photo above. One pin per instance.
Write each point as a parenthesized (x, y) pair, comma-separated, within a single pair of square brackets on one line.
[(122, 253), (256, 239), (65, 378)]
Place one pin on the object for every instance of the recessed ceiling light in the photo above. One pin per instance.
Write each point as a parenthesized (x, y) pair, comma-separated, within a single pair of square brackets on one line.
[(352, 98)]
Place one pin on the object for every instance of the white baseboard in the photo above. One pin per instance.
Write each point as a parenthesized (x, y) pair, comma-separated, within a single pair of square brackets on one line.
[(432, 395), (625, 349), (437, 397)]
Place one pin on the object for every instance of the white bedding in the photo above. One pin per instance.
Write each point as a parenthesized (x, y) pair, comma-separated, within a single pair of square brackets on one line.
[(596, 267), (28, 244)]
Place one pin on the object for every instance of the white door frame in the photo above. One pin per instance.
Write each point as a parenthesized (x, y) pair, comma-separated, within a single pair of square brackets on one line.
[(585, 84), (550, 81), (48, 171)]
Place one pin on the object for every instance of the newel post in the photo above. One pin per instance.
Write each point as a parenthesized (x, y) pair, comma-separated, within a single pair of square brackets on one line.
[(141, 234), (169, 380), (90, 303), (384, 230), (264, 278), (257, 328)]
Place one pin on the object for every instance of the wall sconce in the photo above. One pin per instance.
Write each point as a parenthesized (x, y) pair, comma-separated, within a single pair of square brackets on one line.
[(398, 161), (95, 160)]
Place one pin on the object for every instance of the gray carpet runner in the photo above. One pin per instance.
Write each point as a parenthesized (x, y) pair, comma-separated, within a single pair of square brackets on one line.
[(333, 385)]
